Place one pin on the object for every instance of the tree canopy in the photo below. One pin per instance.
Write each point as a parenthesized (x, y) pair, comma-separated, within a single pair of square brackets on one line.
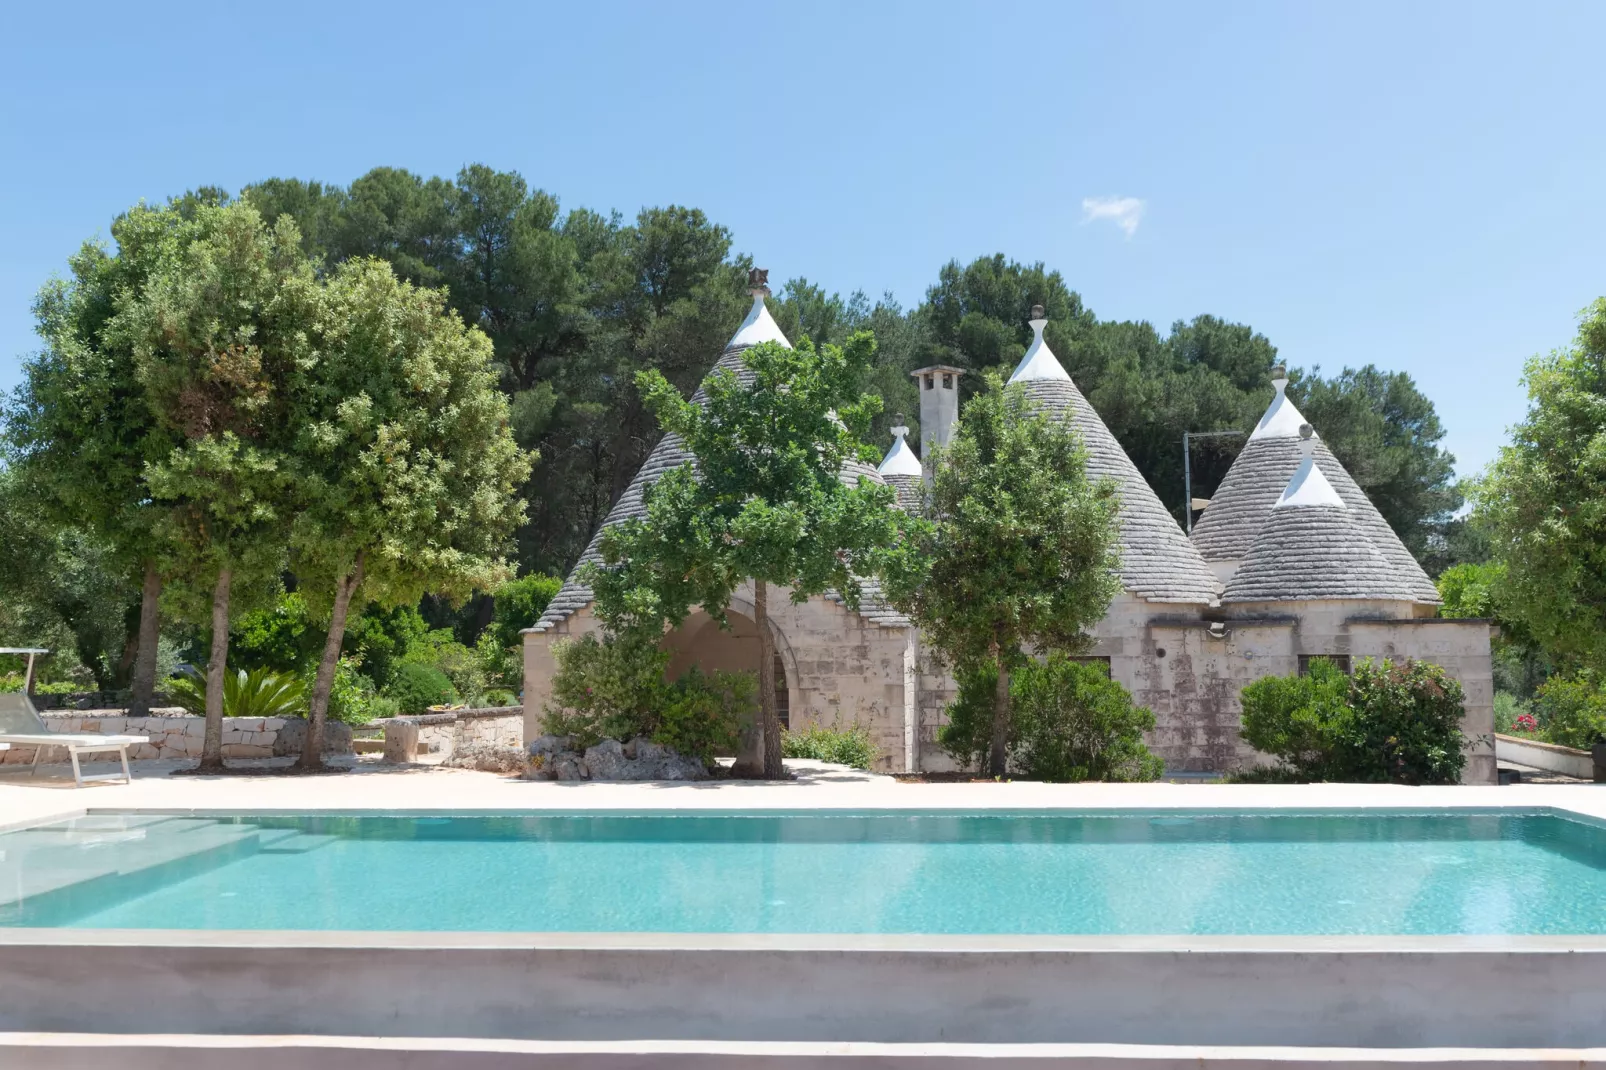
[(1544, 502), (1018, 548), (765, 499)]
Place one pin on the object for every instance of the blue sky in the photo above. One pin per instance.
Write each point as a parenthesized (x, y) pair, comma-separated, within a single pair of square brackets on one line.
[(1414, 185)]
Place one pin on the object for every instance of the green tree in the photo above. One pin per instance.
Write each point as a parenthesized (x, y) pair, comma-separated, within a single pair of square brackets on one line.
[(1020, 548), (219, 328), (764, 501), (1544, 502), (406, 472), (81, 432)]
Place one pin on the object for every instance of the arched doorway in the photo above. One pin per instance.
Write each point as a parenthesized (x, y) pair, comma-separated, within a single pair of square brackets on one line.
[(700, 641)]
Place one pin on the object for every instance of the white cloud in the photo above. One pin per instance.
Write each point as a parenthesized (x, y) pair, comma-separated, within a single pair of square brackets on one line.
[(1124, 212)]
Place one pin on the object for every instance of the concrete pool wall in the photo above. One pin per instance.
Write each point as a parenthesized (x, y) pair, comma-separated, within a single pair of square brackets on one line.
[(1366, 992)]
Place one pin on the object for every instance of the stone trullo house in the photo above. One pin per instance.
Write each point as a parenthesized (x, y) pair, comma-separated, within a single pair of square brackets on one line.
[(1290, 561)]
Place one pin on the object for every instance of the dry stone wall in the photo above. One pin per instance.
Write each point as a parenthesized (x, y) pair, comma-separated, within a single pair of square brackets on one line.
[(174, 735)]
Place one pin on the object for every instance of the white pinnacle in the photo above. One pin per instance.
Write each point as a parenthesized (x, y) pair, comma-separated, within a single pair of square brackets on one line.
[(1281, 420), (1039, 361), (1308, 487), (900, 459), (759, 326)]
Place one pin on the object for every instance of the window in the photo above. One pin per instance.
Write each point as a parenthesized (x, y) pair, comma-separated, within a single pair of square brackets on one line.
[(929, 381), (1103, 663), (1340, 661), (947, 380), (783, 702)]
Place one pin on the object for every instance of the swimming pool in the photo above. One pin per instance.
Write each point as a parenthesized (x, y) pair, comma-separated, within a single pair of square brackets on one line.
[(887, 872)]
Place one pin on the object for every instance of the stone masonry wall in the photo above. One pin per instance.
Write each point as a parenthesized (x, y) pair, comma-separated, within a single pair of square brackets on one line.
[(840, 668), (1170, 660), (171, 736), (442, 734)]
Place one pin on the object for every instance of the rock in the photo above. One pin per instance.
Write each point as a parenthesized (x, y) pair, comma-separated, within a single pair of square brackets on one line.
[(553, 758), (293, 736), (607, 761), (488, 758)]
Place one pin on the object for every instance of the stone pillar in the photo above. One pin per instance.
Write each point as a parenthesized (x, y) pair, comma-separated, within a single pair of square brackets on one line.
[(401, 742)]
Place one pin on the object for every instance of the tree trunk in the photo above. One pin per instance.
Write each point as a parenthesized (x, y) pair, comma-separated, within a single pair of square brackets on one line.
[(139, 703), (750, 749), (774, 767), (323, 684), (998, 756), (212, 743)]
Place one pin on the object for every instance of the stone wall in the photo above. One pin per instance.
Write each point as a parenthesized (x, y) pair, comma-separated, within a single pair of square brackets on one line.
[(173, 735), (840, 668), (1191, 676), (442, 734)]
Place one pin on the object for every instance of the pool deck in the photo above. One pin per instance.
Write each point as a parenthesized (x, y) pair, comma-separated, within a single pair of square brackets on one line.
[(373, 786)]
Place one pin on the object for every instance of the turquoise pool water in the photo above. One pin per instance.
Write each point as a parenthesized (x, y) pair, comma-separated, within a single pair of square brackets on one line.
[(1131, 873)]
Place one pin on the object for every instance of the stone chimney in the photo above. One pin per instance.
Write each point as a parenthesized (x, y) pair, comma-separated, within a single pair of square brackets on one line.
[(939, 407)]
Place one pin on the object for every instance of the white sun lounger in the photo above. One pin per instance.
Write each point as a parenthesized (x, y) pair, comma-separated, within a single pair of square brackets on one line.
[(20, 724)]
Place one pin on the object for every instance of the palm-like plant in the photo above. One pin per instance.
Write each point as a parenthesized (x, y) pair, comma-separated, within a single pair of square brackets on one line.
[(258, 693)]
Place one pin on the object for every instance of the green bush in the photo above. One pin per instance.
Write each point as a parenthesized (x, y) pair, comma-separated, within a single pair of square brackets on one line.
[(1069, 722), (1507, 709), (615, 689), (518, 605), (1392, 722), (417, 687), (1571, 710), (352, 698), (850, 746), (12, 681), (282, 637), (498, 697), (701, 714), (1300, 720), (1408, 723), (246, 693)]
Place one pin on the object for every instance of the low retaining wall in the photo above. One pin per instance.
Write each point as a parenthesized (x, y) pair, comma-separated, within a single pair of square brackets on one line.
[(1390, 992), (1564, 761), (443, 733), (175, 734)]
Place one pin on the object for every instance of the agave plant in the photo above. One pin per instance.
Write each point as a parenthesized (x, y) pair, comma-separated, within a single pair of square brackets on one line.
[(258, 693)]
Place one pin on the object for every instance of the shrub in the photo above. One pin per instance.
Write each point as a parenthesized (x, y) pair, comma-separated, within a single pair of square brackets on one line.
[(701, 714), (498, 697), (1571, 710), (1300, 720), (282, 637), (253, 693), (352, 698), (1511, 714), (518, 605), (615, 689), (417, 687), (1393, 721), (1071, 722), (850, 746), (1407, 724)]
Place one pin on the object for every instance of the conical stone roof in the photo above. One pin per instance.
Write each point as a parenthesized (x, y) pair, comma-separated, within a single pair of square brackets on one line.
[(670, 453), (1157, 561), (1311, 547), (1242, 505)]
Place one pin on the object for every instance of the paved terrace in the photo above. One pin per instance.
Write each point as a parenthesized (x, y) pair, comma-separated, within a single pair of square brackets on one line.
[(26, 800)]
